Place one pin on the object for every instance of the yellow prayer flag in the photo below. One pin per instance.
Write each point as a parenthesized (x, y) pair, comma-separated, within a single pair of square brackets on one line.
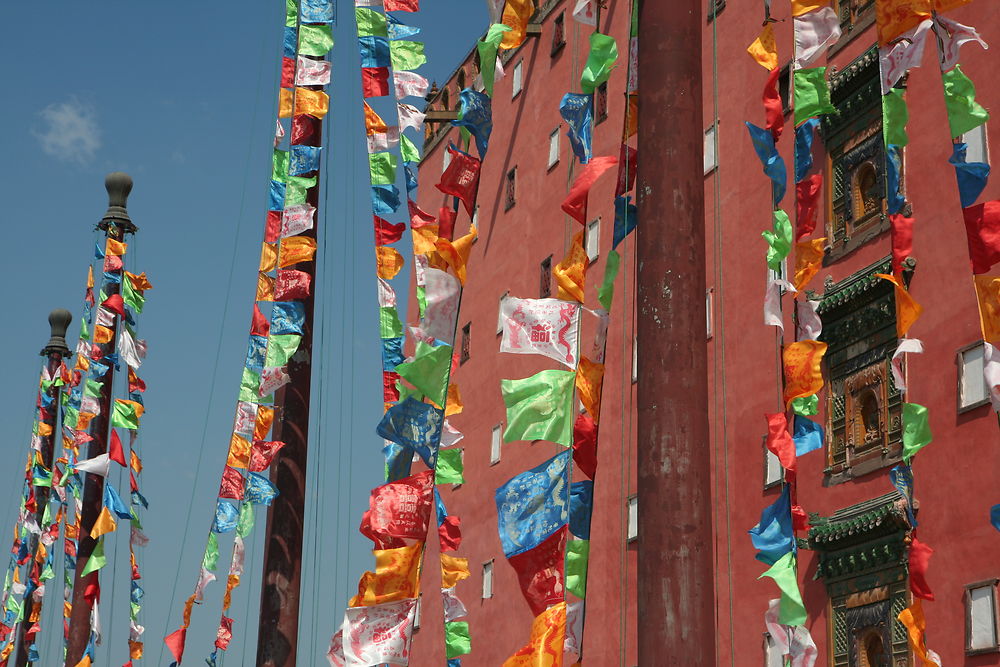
[(239, 452), (545, 647), (631, 117), (894, 17), (232, 581), (135, 462), (103, 334), (456, 253), (389, 262), (907, 309), (67, 609), (802, 368), (296, 249), (373, 122), (453, 406), (314, 103), (82, 363), (764, 49), (988, 294), (808, 260), (90, 276), (516, 14), (395, 577), (83, 421), (424, 239), (268, 257), (140, 283), (134, 650), (453, 570), (800, 7), (262, 425), (44, 429), (285, 103), (105, 523), (115, 247), (589, 382), (570, 273), (9, 648), (84, 661), (265, 287), (36, 612)]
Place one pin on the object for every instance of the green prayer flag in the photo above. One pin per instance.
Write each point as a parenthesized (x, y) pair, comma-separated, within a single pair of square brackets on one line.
[(792, 611), (315, 40), (47, 514), (291, 13), (281, 348), (44, 479), (894, 118), (964, 113), (382, 167), (134, 608), (135, 518), (71, 417), (97, 559), (295, 191), (600, 61), (540, 407), (428, 371), (245, 523), (449, 467), (812, 94), (406, 391), (92, 388), (577, 560), (607, 289), (371, 23), (487, 49), (422, 299), (406, 54), (916, 430), (250, 386), (47, 572), (389, 324), (779, 240), (408, 149), (211, 559), (84, 331), (806, 406), (279, 166), (13, 605), (134, 299), (124, 415), (456, 639)]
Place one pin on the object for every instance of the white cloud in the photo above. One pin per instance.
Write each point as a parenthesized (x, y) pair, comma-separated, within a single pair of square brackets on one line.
[(70, 132)]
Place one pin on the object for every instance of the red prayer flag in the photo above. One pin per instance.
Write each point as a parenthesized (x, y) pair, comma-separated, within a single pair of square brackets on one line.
[(902, 240), (224, 634), (390, 392), (575, 203), (982, 226), (418, 218), (450, 533), (259, 326), (272, 227), (402, 5), (112, 263), (175, 642), (585, 444), (920, 556), (446, 222), (92, 589), (115, 451), (386, 232), (779, 440), (627, 160), (304, 130), (541, 572), (381, 542), (288, 72), (807, 205), (135, 383), (231, 485), (374, 81), (131, 481), (262, 453), (461, 178), (774, 117), (402, 509), (89, 298), (115, 304), (800, 520), (291, 284)]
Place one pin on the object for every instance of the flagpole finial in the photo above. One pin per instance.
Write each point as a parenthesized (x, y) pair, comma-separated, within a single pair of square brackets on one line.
[(119, 186), (59, 320)]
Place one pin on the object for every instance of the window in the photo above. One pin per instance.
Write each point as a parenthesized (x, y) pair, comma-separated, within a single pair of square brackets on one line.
[(500, 312), (773, 472), (518, 80), (972, 389), (633, 518), (978, 147), (780, 274), (855, 16), (601, 103), (715, 8), (981, 617), (711, 161), (709, 303), (773, 657), (635, 358), (446, 159), (416, 612), (466, 336), (592, 239), (496, 443), (558, 33), (554, 148), (475, 220), (487, 579), (785, 88), (510, 189), (545, 278)]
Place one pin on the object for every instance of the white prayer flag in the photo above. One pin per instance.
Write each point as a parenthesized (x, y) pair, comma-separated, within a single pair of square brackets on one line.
[(409, 83), (131, 350), (137, 538), (236, 566), (335, 654), (309, 72), (585, 12), (246, 418), (772, 302), (272, 379), (951, 36), (97, 465), (379, 142), (814, 33), (296, 219), (442, 293), (279, 132), (204, 579), (379, 634), (105, 318), (135, 631), (454, 608), (450, 435), (574, 627), (796, 642), (810, 326), (549, 327), (600, 335), (904, 53), (410, 116), (991, 371), (386, 295), (906, 345)]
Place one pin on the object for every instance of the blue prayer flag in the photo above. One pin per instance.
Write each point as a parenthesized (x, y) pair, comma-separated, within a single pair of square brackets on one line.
[(410, 173), (971, 176), (577, 110), (995, 516), (318, 11), (442, 512), (114, 502), (807, 434), (476, 115), (895, 201), (290, 42), (398, 460), (287, 317), (581, 506), (533, 505), (626, 218), (385, 199), (901, 477), (803, 147), (774, 165), (392, 353), (414, 425), (398, 29), (226, 516), (259, 490), (256, 352), (276, 196), (303, 159), (773, 535), (374, 51)]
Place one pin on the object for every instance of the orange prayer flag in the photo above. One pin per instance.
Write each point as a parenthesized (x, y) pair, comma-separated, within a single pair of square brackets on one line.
[(188, 606), (373, 122), (589, 382), (84, 661), (296, 249), (808, 260), (134, 650), (907, 309), (803, 374), (453, 406), (44, 429), (9, 648), (453, 570), (545, 647), (232, 581), (424, 239), (285, 103), (389, 262), (36, 612), (105, 523), (948, 5), (764, 49), (988, 294), (103, 334), (115, 247), (456, 253), (265, 416), (800, 7), (516, 14), (82, 363), (135, 462), (570, 273), (83, 421), (913, 618), (268, 257), (239, 452), (894, 17), (140, 283), (90, 277), (395, 577), (631, 117), (313, 103), (265, 287)]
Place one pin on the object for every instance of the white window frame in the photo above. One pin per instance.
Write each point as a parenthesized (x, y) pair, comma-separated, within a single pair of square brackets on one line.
[(774, 474), (488, 579), (978, 143), (416, 612), (780, 274), (554, 141), (592, 239), (709, 312), (635, 358), (517, 79), (445, 160), (475, 220), (496, 444), (632, 530), (987, 604), (967, 382), (500, 312), (710, 159)]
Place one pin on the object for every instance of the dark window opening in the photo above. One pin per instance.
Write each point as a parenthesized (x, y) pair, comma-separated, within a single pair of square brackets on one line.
[(601, 103), (466, 342), (545, 279), (558, 33), (510, 194)]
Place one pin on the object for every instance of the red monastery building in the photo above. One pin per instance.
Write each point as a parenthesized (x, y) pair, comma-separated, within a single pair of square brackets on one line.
[(855, 557)]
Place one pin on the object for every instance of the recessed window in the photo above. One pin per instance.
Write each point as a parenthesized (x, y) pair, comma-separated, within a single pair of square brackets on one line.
[(416, 612), (446, 160), (601, 103), (553, 148), (711, 161), (545, 278), (496, 443), (466, 342), (981, 617), (978, 148), (633, 518), (780, 274), (773, 656), (475, 220), (709, 306), (635, 358), (518, 80), (592, 240), (500, 312), (715, 8), (972, 389), (487, 579), (773, 472), (510, 189), (785, 88), (558, 33)]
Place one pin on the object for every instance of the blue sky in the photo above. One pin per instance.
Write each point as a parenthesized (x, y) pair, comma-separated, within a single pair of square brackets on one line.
[(182, 96)]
